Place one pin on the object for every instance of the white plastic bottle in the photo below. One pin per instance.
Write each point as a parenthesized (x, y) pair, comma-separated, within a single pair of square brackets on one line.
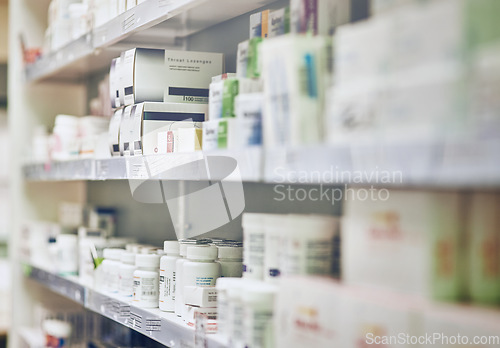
[(67, 254), (200, 269), (179, 299), (275, 232), (253, 246), (111, 268), (258, 304), (167, 275), (230, 259), (126, 273), (223, 315), (146, 279), (309, 253)]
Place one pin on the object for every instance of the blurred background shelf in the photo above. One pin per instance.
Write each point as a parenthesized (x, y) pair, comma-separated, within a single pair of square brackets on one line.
[(153, 23), (66, 287)]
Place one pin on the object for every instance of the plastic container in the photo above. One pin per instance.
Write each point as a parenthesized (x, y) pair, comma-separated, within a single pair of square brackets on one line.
[(146, 280), (200, 269), (230, 259), (223, 323), (258, 304), (275, 232), (126, 274), (253, 246), (67, 254), (57, 333), (179, 300), (236, 312), (312, 252), (111, 269), (167, 275)]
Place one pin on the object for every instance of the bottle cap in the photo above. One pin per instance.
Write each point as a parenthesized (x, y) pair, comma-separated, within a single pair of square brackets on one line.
[(202, 252), (171, 247), (128, 258), (147, 260), (230, 252), (113, 254)]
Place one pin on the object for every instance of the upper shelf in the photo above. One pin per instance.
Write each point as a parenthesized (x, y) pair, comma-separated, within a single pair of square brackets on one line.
[(153, 23), (433, 164)]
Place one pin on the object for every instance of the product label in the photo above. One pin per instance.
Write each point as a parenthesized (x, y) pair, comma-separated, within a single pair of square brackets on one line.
[(257, 325), (189, 74), (229, 92), (126, 284), (205, 281), (153, 325), (222, 134), (167, 286), (146, 289), (253, 252)]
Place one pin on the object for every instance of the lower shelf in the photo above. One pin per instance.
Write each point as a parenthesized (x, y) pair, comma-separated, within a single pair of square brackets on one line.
[(165, 328)]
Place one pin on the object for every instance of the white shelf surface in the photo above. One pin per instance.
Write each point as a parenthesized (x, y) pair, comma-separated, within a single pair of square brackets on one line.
[(153, 23), (166, 328), (468, 165)]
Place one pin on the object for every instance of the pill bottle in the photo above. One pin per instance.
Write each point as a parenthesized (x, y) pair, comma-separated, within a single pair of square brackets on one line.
[(67, 254), (126, 274), (167, 275), (111, 269), (258, 304), (309, 253), (146, 280), (230, 259), (275, 230), (223, 324), (235, 314), (57, 333), (253, 246), (200, 269), (183, 245)]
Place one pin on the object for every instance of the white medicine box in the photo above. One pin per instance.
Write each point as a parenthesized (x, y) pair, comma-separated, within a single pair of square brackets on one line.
[(150, 122), (407, 241), (157, 75)]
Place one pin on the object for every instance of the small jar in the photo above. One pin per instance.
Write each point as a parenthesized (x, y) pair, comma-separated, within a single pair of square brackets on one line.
[(230, 259), (126, 273), (167, 275), (223, 315), (67, 254), (258, 304), (146, 279), (200, 269), (111, 268), (179, 298)]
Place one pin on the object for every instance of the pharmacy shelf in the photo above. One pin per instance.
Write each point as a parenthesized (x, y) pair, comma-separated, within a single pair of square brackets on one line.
[(424, 164), (66, 287), (153, 23), (432, 164), (176, 166), (166, 328)]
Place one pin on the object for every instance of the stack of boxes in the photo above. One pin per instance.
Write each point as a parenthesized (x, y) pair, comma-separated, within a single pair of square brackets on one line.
[(160, 98)]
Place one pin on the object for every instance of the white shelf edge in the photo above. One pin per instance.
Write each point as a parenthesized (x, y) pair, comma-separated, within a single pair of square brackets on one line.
[(426, 164), (165, 328)]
